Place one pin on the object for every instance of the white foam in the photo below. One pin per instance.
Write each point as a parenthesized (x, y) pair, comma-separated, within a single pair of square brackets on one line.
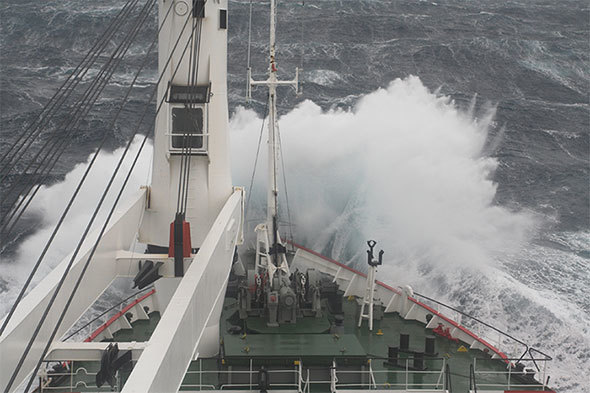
[(409, 169), (50, 203)]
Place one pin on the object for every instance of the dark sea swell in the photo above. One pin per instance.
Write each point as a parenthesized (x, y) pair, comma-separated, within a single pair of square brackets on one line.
[(527, 59)]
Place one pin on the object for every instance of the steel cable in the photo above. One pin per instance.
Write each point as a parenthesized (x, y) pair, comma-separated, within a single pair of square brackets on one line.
[(184, 173), (55, 293), (140, 21), (82, 108), (81, 182), (55, 152), (103, 229), (256, 159), (65, 90)]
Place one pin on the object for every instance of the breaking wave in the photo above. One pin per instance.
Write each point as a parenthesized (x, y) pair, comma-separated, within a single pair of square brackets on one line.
[(48, 206), (408, 168)]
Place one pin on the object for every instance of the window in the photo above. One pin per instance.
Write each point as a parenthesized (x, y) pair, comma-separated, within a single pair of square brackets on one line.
[(223, 19), (187, 128)]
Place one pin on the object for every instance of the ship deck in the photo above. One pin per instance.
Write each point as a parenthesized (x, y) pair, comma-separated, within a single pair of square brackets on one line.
[(306, 357), (306, 351)]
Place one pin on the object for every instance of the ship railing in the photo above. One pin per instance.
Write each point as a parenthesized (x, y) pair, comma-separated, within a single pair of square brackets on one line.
[(516, 349), (299, 378), (404, 378), (502, 380), (253, 378), (77, 378)]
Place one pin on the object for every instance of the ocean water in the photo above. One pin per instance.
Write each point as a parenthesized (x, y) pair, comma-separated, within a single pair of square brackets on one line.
[(456, 134)]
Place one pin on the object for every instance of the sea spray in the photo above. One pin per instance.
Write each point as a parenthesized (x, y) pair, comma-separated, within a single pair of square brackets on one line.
[(49, 204), (403, 166), (408, 168)]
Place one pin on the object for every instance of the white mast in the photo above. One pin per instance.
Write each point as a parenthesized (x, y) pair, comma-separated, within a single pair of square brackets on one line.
[(273, 147)]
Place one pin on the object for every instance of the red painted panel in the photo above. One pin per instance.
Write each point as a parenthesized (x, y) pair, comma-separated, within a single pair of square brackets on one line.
[(118, 315), (186, 240)]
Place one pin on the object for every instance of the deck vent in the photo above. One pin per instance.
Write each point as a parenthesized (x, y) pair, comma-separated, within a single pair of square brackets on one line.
[(404, 342), (418, 360), (392, 354), (429, 346)]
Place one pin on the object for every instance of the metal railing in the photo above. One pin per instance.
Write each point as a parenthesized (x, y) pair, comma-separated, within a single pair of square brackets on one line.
[(491, 379), (366, 377), (407, 381), (73, 383), (479, 325), (253, 376)]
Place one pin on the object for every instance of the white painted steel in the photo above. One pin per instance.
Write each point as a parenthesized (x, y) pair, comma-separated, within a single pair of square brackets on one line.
[(92, 351), (120, 234), (179, 333), (369, 298), (210, 179)]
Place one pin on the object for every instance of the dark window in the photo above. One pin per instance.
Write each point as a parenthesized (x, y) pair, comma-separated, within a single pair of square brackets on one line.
[(189, 94), (223, 19), (185, 123)]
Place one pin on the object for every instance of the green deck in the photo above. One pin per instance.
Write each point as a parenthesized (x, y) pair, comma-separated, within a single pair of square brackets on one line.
[(310, 344), (292, 346)]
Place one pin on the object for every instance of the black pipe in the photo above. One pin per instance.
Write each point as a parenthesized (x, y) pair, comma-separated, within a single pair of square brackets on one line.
[(178, 245)]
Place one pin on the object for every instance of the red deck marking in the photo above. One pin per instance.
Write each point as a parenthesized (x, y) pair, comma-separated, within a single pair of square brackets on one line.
[(118, 315), (430, 309)]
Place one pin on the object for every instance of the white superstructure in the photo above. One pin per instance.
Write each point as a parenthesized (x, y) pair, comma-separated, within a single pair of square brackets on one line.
[(190, 306), (210, 178)]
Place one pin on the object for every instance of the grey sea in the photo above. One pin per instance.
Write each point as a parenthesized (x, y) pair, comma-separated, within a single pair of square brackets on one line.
[(455, 133)]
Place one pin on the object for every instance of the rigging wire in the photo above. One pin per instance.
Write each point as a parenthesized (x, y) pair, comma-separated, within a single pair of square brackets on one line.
[(60, 144), (249, 33), (95, 246), (256, 159), (285, 185), (183, 157), (65, 90), (249, 45), (81, 275), (106, 312), (198, 128), (184, 172), (81, 181)]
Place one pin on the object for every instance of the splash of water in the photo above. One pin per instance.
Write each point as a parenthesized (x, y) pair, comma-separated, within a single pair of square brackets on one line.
[(405, 167), (408, 168), (49, 204)]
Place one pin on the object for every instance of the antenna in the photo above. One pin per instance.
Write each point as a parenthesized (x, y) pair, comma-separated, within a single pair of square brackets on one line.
[(369, 299), (272, 82)]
